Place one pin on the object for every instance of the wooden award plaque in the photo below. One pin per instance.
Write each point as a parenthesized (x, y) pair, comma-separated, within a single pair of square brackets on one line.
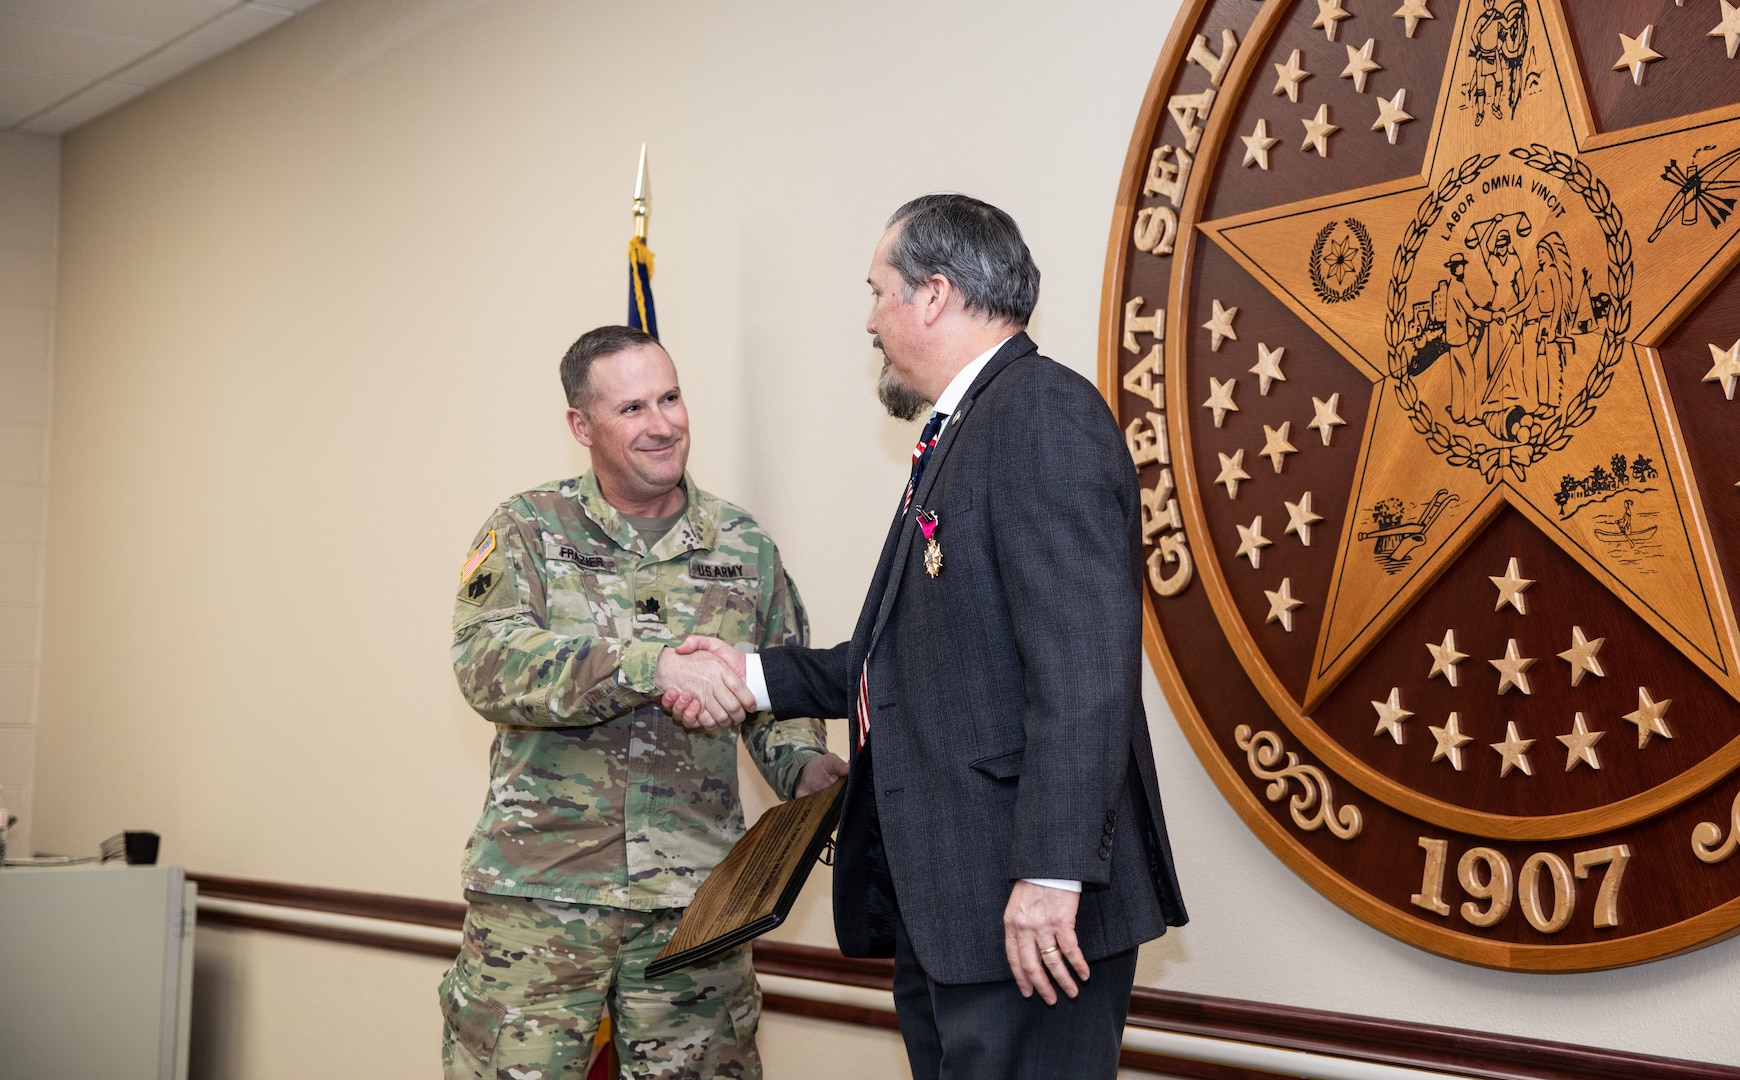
[(1423, 324)]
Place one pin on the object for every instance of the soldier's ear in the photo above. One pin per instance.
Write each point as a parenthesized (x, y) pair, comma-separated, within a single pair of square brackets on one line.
[(580, 426)]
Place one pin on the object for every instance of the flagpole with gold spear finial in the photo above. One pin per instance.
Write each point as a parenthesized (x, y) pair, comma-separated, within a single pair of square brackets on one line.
[(641, 315)]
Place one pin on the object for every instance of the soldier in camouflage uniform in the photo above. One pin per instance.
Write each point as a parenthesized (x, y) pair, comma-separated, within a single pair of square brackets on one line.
[(604, 815)]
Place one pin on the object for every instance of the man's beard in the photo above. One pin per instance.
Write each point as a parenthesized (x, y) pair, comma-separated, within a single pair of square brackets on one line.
[(901, 401)]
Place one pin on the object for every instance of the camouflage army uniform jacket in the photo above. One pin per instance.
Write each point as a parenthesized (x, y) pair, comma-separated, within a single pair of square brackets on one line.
[(596, 796)]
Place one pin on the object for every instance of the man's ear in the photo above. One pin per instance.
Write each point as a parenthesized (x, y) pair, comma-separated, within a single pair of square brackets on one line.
[(580, 426), (936, 294)]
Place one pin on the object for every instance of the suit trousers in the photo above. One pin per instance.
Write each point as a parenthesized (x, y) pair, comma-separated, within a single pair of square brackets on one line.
[(988, 1031)]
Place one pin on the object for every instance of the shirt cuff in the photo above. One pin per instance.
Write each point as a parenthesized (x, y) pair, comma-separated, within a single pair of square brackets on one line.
[(756, 681), (1055, 883), (640, 660)]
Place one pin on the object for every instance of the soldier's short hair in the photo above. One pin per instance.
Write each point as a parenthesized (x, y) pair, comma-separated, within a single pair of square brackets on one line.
[(976, 246), (594, 345)]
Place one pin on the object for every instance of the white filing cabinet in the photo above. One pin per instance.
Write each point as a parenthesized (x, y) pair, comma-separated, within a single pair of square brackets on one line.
[(96, 972)]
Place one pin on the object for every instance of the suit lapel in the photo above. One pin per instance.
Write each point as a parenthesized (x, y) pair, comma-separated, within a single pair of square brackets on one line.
[(906, 523)]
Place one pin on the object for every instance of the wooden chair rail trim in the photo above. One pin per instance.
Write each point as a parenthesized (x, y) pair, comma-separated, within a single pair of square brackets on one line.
[(1397, 1043)]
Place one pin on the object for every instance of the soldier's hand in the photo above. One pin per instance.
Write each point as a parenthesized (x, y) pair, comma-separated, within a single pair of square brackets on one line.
[(821, 771), (730, 656), (721, 699)]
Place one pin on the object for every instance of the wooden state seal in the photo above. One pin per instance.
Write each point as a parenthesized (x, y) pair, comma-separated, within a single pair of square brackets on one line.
[(1424, 330)]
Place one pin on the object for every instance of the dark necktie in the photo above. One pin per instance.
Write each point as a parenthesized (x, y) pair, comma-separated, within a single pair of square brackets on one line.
[(920, 455)]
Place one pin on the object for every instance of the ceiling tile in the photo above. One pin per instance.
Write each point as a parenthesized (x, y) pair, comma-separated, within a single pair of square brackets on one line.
[(62, 51), (162, 66), (25, 92), (235, 27), (155, 20), (88, 104)]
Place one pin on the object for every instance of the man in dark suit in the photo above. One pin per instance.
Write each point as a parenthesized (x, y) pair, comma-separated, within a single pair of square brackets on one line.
[(1001, 834)]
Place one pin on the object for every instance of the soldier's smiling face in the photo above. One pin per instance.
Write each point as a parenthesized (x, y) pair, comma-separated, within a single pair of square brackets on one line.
[(637, 427)]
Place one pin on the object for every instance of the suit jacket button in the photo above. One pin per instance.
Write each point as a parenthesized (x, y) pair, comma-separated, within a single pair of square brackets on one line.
[(1111, 816)]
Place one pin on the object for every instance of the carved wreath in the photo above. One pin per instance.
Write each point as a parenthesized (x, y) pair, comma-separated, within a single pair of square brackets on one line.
[(1457, 448)]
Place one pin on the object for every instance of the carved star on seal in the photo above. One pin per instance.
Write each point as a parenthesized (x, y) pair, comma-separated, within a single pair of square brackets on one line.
[(1580, 745), (1220, 399), (1257, 145), (1511, 588), (1650, 717), (1390, 715), (1581, 656), (1275, 444), (1282, 604), (1268, 369), (1513, 668), (1390, 115), (1637, 54), (1411, 12), (1252, 542), (1317, 132), (1326, 419), (1724, 367), (1729, 28), (1457, 455), (1232, 471), (1289, 76), (1514, 750), (1360, 64), (1445, 658), (1450, 742), (1220, 326), (1300, 518), (1329, 13)]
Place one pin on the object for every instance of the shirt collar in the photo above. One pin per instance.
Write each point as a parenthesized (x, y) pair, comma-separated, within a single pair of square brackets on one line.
[(957, 387)]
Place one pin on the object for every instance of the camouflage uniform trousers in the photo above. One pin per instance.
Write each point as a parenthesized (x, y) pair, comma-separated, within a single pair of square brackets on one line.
[(524, 999)]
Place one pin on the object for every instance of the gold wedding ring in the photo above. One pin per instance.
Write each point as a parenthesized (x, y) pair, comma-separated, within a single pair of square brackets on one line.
[(1052, 949)]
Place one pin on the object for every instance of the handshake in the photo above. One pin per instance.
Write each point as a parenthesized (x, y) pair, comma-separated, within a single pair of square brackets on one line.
[(703, 684), (705, 690)]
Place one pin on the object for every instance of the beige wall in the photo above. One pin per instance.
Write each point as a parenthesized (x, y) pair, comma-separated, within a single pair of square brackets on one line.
[(29, 194), (312, 296)]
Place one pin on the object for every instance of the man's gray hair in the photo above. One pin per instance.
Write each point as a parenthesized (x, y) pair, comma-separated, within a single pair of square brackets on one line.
[(976, 246)]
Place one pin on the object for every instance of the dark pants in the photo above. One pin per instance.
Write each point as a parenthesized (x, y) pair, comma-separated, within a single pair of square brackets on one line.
[(988, 1031)]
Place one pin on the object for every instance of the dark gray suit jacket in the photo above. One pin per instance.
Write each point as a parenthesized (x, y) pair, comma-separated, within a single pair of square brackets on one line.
[(1007, 736)]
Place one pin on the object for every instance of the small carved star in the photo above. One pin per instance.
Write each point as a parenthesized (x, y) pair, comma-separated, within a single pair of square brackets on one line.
[(1327, 419), (1514, 751), (1390, 115), (1412, 11), (1281, 604), (1232, 470), (1252, 542), (1729, 28), (1445, 658), (1513, 668), (1275, 444), (1290, 75), (1360, 64), (1511, 588), (1580, 745), (1220, 399), (1257, 145), (1581, 657), (1268, 369), (1300, 518), (1637, 54), (1317, 132), (1221, 326), (1390, 715), (1450, 742), (1329, 12), (1725, 365), (1650, 717)]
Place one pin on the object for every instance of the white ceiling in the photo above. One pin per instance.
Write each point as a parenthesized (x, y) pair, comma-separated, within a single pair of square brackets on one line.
[(63, 62)]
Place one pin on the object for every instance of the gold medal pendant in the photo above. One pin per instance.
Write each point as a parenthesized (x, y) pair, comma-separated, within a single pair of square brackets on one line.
[(932, 550)]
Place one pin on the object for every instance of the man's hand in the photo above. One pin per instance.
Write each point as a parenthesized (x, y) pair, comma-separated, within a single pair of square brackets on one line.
[(1039, 940), (713, 691), (822, 770), (682, 702)]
